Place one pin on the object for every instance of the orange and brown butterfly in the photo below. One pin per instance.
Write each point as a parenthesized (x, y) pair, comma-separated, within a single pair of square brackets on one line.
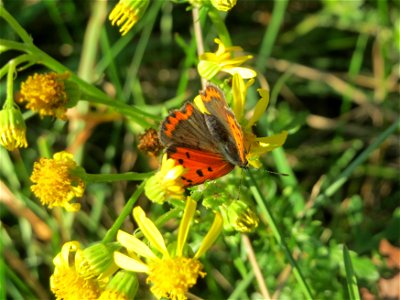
[(208, 145)]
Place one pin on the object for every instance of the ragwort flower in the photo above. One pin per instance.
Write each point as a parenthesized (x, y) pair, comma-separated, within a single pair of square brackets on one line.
[(212, 63), (49, 94), (12, 128), (223, 5), (58, 181), (166, 183), (66, 282), (239, 216), (257, 145), (170, 274), (126, 14)]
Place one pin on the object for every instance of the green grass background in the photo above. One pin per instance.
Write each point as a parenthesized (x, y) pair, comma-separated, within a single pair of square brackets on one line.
[(333, 70)]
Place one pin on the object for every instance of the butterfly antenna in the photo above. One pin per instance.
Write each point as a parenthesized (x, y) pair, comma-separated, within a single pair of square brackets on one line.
[(240, 184), (276, 173)]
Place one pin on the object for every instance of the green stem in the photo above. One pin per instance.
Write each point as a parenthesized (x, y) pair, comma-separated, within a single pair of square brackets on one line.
[(17, 61), (131, 176), (119, 105), (43, 58), (351, 279), (10, 84), (133, 69), (262, 204), (127, 210), (220, 26), (271, 33), (25, 37), (6, 45), (93, 94)]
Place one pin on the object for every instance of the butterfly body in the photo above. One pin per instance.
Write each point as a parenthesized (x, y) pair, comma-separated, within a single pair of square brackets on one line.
[(208, 145)]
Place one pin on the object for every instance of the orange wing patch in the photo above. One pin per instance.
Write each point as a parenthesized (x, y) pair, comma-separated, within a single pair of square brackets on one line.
[(175, 118), (211, 93), (238, 137)]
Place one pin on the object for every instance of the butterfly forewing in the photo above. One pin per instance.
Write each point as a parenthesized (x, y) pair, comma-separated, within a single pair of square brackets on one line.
[(186, 127), (223, 125)]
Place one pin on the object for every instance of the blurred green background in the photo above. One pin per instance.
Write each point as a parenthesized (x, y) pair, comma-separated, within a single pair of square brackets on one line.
[(333, 70)]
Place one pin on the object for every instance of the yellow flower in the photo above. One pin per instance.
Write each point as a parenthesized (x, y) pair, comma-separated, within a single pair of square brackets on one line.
[(12, 128), (257, 145), (123, 286), (126, 14), (66, 282), (58, 181), (49, 94), (223, 5), (170, 274), (239, 216), (166, 183), (212, 63)]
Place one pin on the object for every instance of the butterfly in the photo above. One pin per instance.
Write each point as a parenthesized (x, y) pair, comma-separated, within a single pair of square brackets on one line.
[(208, 146)]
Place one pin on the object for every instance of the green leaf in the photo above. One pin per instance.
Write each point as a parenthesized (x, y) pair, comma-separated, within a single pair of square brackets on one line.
[(351, 279)]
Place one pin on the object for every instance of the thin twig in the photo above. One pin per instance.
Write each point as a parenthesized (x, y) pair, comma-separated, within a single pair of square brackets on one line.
[(256, 267), (199, 37)]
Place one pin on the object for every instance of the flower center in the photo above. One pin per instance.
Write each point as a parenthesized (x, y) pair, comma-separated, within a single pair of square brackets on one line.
[(172, 277), (66, 283)]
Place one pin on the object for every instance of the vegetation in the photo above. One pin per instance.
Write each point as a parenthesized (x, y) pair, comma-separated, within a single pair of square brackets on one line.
[(325, 227)]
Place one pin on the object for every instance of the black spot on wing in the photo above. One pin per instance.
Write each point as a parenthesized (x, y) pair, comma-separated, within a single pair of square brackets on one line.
[(200, 172)]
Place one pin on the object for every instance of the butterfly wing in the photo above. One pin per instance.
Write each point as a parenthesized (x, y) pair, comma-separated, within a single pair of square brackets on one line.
[(222, 124), (201, 165), (186, 127)]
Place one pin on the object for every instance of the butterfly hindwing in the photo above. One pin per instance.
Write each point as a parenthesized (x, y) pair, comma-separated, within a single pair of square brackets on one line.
[(200, 165)]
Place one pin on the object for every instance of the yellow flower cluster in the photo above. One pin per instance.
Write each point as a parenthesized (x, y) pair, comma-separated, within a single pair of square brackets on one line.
[(166, 183), (170, 274), (45, 94), (58, 181), (126, 14)]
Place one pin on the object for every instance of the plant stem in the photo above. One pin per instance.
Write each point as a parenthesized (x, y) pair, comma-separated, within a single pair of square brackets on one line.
[(126, 211), (271, 34), (10, 84), (25, 37), (262, 204), (199, 37), (256, 267), (131, 176)]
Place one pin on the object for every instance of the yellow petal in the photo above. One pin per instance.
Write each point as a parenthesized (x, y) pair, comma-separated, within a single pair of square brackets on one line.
[(272, 142), (255, 162), (150, 230), (211, 236), (184, 226), (236, 61), (130, 264), (245, 73), (238, 90), (135, 245), (208, 69), (261, 106), (200, 105)]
